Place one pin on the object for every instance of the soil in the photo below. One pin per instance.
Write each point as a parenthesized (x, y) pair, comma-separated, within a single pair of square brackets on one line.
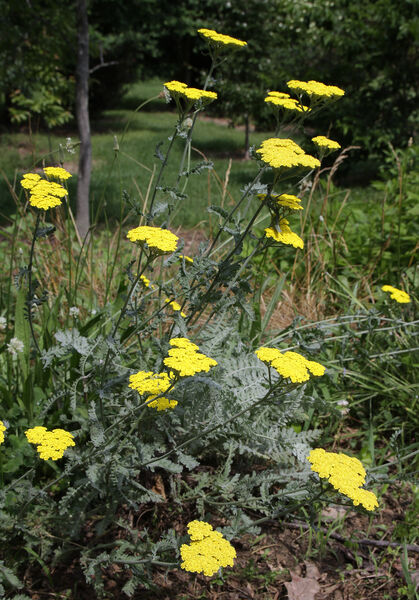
[(286, 561)]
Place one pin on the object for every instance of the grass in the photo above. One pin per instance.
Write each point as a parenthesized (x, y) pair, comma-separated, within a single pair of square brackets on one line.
[(131, 167)]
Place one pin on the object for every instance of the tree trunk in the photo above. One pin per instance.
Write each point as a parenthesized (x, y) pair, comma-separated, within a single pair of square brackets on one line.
[(83, 121), (246, 137)]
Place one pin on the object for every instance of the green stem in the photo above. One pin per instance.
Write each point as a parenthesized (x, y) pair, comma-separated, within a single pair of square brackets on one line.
[(30, 289), (195, 115), (162, 167)]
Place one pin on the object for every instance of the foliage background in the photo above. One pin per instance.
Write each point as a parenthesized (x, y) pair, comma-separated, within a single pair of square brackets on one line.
[(371, 49)]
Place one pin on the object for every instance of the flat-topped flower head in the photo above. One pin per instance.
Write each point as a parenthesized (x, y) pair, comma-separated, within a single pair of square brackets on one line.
[(147, 382), (189, 95), (283, 200), (43, 193), (2, 430), (153, 384), (57, 172), (282, 95), (162, 404), (316, 89), (345, 473), (290, 365), (208, 550), (157, 239), (185, 359), (29, 180), (396, 294), (281, 153), (50, 444), (283, 233), (284, 101), (219, 39), (324, 143)]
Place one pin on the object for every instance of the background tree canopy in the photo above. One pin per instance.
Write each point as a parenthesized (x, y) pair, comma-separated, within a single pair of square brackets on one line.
[(370, 48)]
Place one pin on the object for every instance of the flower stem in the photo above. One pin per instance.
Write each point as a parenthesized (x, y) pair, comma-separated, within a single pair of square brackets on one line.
[(30, 287)]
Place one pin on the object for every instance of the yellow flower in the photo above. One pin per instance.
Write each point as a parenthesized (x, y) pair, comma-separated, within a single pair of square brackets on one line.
[(147, 382), (43, 194), (176, 307), (284, 234), (145, 281), (286, 200), (153, 384), (315, 89), (290, 364), (282, 153), (345, 473), (187, 258), (29, 180), (208, 550), (324, 143), (50, 444), (2, 429), (158, 239), (284, 101), (185, 360), (396, 294), (57, 172), (219, 39), (162, 403), (178, 90)]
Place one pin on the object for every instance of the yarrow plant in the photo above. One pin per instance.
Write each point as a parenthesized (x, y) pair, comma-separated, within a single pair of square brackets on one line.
[(175, 340)]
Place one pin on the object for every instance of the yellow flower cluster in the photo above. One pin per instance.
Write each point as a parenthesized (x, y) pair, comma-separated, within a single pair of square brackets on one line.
[(57, 172), (315, 89), (50, 444), (145, 281), (147, 382), (176, 307), (220, 39), (284, 234), (186, 360), (2, 430), (153, 384), (397, 295), (285, 154), (286, 200), (208, 550), (162, 404), (290, 364), (43, 194), (158, 239), (181, 90), (324, 143), (345, 473), (286, 102)]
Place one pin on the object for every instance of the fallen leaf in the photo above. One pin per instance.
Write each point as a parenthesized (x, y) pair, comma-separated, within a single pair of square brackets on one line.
[(302, 588)]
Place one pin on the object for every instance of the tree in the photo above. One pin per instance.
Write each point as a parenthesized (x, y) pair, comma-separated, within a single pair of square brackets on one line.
[(83, 121)]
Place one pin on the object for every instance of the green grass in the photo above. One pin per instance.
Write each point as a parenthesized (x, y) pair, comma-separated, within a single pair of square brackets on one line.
[(130, 169)]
